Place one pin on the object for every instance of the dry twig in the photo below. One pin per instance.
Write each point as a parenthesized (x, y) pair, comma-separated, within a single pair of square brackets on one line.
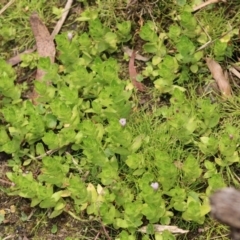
[(9, 237), (62, 19), (4, 182), (97, 236), (204, 4), (48, 153), (234, 71), (6, 6), (105, 232)]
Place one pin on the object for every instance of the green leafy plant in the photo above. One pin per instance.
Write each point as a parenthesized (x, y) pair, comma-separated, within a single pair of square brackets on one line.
[(88, 147), (165, 69), (155, 43)]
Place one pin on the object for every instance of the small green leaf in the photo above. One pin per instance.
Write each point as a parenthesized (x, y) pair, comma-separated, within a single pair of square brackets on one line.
[(4, 136), (180, 206), (88, 14), (139, 78), (220, 48), (198, 56), (208, 145), (60, 205), (194, 68), (150, 47), (55, 213), (148, 32), (2, 217), (191, 169), (47, 203), (134, 161), (156, 60), (35, 202), (137, 142), (181, 2), (188, 21), (174, 32), (215, 182), (51, 140), (40, 149), (193, 212), (138, 172), (56, 196), (27, 162), (54, 228), (186, 49), (111, 39), (121, 223), (166, 168), (124, 31)]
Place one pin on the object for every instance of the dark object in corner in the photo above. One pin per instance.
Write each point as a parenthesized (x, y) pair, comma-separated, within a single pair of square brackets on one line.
[(225, 207), (4, 156)]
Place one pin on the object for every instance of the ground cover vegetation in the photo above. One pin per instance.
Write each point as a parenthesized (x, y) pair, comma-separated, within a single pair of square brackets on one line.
[(134, 125)]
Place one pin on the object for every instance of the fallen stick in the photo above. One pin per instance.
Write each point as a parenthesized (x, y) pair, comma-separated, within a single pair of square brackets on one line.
[(62, 19), (6, 6), (4, 182), (234, 71), (204, 4)]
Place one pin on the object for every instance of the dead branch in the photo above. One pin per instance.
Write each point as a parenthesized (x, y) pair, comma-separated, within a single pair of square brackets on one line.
[(4, 182), (62, 19), (105, 232), (6, 6), (204, 4)]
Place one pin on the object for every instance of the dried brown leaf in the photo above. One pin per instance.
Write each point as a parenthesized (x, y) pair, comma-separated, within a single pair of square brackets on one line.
[(44, 41), (45, 47), (219, 76), (17, 59), (139, 57), (133, 74)]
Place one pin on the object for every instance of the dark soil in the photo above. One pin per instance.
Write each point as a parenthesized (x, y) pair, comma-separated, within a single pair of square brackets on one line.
[(23, 222)]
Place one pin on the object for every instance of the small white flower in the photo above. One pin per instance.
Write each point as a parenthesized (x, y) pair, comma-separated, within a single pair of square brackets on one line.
[(70, 36), (155, 185), (123, 121)]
